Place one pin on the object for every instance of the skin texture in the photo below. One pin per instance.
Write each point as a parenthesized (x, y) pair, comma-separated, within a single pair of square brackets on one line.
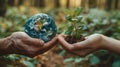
[(21, 43), (90, 44)]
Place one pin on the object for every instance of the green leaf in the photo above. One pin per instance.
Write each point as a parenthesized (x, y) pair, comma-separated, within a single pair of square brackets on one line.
[(12, 57), (78, 11), (116, 63), (34, 61), (79, 18), (68, 12), (62, 52), (69, 30), (68, 17), (93, 60), (78, 60), (28, 64), (69, 60)]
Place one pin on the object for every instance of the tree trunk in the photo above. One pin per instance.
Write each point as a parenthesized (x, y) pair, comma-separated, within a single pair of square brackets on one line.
[(15, 2), (92, 3), (116, 4), (36, 3), (11, 2), (3, 6), (20, 2), (57, 3), (83, 3), (67, 3), (86, 5), (109, 3), (39, 3)]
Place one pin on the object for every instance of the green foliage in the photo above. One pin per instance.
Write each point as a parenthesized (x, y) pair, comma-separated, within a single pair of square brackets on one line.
[(14, 21), (73, 12), (95, 21), (69, 60), (74, 59), (93, 60), (74, 20), (116, 63), (18, 60)]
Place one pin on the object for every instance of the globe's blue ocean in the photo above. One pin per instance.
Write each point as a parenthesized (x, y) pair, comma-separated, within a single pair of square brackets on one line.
[(41, 26)]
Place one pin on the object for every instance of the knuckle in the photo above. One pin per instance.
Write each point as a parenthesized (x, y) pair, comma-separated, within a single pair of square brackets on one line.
[(98, 35), (42, 42), (39, 42), (18, 34), (15, 33)]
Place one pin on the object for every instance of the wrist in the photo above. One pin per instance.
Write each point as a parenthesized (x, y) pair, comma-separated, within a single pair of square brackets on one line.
[(105, 42), (102, 41), (5, 46), (110, 44), (99, 40)]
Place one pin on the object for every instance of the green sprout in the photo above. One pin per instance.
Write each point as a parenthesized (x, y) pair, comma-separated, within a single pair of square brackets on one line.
[(74, 19)]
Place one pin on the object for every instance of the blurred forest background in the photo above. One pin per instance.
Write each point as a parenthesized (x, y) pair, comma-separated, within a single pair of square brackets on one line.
[(97, 14), (87, 4)]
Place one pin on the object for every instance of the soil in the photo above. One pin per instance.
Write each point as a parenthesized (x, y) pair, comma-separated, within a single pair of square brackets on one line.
[(73, 39)]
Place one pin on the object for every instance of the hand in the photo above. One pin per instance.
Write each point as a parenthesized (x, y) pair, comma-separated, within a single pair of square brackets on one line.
[(21, 43), (90, 44)]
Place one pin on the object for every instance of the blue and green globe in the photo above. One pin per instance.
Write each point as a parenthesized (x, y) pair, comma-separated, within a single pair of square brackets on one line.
[(41, 26)]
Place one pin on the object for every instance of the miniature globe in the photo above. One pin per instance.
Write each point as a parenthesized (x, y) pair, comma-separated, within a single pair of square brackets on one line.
[(41, 26)]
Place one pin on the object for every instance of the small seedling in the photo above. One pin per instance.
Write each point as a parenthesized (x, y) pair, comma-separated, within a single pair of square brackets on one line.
[(74, 30)]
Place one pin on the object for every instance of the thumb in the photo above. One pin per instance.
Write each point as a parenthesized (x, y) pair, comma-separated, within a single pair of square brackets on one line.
[(33, 41)]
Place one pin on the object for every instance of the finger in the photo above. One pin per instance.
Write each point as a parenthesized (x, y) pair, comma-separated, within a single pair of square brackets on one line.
[(48, 45), (63, 35), (81, 45), (64, 43), (84, 52), (33, 42), (20, 35)]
